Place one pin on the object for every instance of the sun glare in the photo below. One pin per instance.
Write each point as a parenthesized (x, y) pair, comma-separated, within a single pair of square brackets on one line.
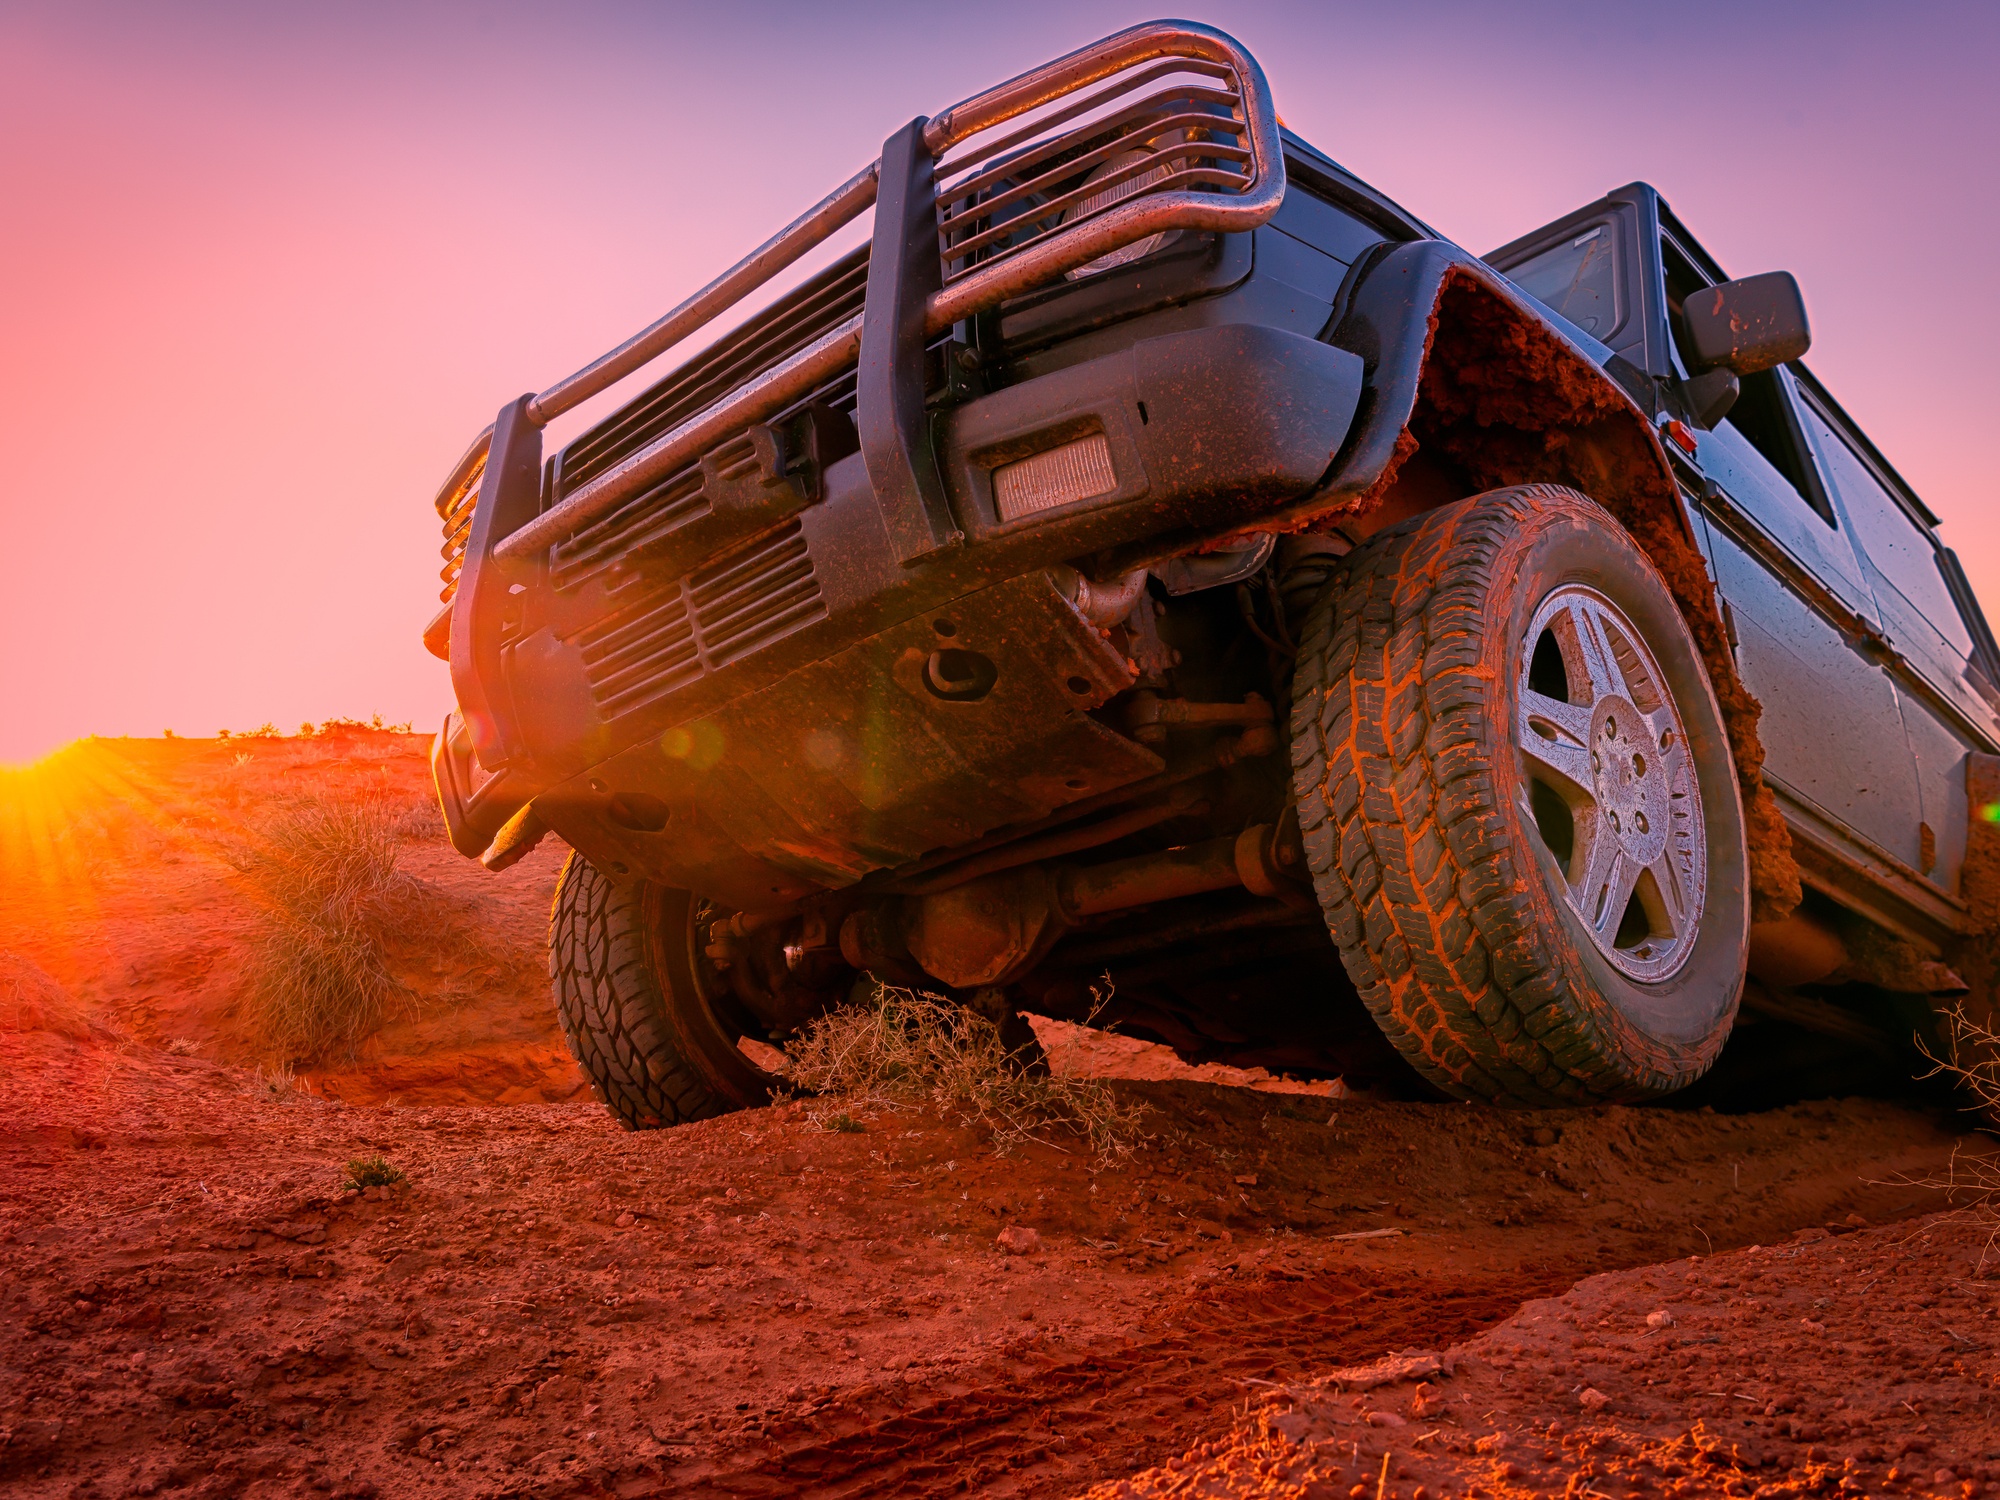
[(69, 817)]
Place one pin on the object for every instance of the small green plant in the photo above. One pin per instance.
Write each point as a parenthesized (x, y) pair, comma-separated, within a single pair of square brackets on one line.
[(846, 1124), (373, 1171)]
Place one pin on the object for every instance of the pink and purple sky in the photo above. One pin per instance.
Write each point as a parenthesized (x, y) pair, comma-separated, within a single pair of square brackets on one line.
[(267, 269)]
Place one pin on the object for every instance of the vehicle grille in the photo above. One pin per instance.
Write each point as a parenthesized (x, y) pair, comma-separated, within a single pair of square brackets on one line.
[(768, 339), (722, 612)]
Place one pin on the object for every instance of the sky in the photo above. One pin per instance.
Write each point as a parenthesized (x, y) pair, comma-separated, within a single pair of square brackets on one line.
[(265, 270)]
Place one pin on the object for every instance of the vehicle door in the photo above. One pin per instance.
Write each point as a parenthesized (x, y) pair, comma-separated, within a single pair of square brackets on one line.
[(1935, 640), (1802, 615), (1798, 605)]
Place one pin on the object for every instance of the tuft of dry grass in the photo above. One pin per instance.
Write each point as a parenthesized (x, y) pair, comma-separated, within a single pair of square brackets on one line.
[(277, 1084), (1969, 1058), (901, 1047), (376, 1171), (334, 904)]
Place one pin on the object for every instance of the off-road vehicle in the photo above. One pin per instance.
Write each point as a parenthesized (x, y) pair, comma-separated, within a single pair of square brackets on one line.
[(1153, 560)]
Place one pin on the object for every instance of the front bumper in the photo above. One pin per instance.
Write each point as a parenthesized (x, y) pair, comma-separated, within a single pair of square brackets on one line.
[(728, 692)]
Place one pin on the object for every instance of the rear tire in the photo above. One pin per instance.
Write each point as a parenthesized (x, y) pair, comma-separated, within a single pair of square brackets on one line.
[(651, 1031), (1519, 804)]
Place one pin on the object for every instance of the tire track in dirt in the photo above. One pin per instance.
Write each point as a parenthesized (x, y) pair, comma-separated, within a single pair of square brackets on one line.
[(1053, 1424), (754, 1305)]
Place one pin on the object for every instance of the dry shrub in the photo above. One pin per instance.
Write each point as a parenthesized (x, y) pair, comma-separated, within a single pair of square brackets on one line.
[(1969, 1058), (334, 905), (419, 820), (365, 1172), (276, 1085), (902, 1047)]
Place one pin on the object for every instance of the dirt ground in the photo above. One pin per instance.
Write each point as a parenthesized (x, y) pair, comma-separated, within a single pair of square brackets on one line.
[(1864, 1364), (116, 868), (758, 1304), (190, 1303)]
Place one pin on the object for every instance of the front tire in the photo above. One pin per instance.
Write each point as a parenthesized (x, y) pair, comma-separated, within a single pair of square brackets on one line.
[(1519, 804), (652, 1031)]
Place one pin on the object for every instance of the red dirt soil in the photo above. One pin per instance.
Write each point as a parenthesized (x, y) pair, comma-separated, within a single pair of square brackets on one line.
[(116, 880), (1857, 1365), (756, 1305)]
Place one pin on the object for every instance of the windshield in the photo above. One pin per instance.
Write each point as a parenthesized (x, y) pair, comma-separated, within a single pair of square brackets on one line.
[(1576, 278)]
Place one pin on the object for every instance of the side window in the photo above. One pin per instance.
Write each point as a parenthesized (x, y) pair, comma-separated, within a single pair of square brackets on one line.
[(1761, 416), (1900, 548), (1577, 278)]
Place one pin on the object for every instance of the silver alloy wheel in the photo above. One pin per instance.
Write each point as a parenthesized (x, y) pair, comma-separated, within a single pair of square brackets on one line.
[(1610, 783)]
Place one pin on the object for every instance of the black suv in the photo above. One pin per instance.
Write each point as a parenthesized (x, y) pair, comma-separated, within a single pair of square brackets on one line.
[(1155, 559)]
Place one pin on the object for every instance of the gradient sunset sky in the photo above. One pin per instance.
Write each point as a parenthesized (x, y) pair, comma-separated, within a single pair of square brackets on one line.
[(266, 269)]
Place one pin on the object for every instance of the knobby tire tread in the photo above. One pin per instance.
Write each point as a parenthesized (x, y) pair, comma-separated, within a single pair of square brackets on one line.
[(1417, 870), (610, 1003)]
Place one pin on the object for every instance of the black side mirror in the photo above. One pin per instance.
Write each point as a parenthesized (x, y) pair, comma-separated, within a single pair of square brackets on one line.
[(1749, 325)]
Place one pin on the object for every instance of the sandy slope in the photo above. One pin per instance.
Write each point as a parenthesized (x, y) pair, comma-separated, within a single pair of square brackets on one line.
[(116, 879)]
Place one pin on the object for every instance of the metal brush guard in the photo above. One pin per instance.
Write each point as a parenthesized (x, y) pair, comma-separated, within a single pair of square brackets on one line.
[(1169, 126)]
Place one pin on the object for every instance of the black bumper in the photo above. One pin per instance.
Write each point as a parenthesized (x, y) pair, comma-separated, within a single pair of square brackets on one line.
[(1208, 430)]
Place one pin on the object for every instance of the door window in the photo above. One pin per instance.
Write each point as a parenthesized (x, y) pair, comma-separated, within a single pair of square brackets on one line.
[(1898, 547), (1577, 278), (1761, 418)]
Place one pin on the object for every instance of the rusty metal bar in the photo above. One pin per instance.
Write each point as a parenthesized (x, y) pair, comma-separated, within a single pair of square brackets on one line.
[(1128, 83), (1049, 845), (767, 395), (461, 471), (1150, 41), (825, 218), (1136, 217), (1142, 121)]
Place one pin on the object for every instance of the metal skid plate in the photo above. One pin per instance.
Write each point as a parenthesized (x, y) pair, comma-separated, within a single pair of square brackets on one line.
[(857, 763)]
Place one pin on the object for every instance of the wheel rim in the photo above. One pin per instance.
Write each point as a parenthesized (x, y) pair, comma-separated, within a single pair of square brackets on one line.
[(1610, 783)]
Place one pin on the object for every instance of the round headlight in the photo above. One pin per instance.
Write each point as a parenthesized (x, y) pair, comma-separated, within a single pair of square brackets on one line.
[(1115, 193)]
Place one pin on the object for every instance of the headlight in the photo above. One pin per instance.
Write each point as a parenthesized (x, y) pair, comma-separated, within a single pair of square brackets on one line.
[(1119, 191)]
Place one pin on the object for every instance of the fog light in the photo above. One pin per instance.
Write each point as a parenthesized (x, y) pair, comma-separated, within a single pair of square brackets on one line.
[(1061, 476)]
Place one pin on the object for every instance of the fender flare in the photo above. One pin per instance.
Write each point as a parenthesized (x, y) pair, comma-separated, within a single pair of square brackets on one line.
[(1459, 361)]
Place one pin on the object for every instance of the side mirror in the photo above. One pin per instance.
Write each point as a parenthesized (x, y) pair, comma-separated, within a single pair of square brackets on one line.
[(1750, 325)]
